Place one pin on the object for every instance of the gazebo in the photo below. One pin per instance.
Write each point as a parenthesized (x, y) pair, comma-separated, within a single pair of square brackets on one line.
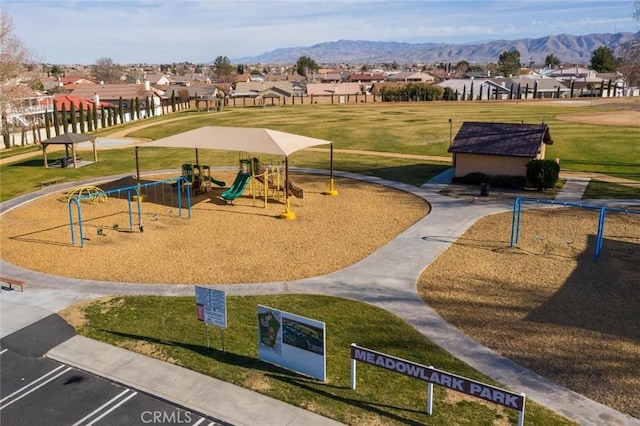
[(68, 140), (248, 139)]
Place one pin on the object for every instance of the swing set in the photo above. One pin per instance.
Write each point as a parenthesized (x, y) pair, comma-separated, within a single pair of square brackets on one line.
[(133, 193), (517, 213)]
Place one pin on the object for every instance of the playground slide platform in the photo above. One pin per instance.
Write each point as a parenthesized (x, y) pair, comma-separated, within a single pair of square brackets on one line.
[(294, 189)]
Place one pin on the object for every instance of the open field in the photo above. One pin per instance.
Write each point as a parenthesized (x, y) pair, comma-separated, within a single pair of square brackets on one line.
[(411, 128)]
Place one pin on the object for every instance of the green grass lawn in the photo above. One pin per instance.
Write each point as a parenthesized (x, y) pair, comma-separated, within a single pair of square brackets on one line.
[(401, 128), (168, 329), (604, 190)]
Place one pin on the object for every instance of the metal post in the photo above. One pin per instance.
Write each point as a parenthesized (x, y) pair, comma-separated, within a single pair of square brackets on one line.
[(429, 398), (130, 211), (206, 333), (521, 415), (222, 338), (353, 371)]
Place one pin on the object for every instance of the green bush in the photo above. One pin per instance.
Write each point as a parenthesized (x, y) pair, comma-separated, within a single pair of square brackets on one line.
[(542, 174)]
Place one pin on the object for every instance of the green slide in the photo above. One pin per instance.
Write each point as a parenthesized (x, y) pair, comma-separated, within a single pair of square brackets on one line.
[(237, 187)]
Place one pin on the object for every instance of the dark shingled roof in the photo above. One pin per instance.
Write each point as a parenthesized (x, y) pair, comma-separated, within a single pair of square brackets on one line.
[(509, 139), (68, 138)]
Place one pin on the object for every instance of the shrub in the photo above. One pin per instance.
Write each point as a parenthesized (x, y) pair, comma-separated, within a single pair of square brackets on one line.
[(542, 174)]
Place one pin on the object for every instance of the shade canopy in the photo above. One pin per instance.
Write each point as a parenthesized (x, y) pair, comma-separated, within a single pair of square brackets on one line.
[(68, 138), (250, 139)]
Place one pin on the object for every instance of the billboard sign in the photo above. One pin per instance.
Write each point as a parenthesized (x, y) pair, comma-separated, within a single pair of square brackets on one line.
[(292, 341)]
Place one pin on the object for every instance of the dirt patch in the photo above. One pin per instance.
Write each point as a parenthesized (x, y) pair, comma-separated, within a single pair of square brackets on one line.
[(256, 382), (545, 303), (613, 118), (221, 243)]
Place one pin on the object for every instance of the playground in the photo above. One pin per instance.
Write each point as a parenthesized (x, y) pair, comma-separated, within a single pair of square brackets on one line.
[(222, 243)]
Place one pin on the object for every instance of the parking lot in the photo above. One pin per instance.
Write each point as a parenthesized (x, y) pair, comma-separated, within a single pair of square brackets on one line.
[(35, 390)]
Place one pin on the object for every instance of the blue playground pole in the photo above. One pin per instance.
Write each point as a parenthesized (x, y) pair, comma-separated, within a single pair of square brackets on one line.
[(600, 236), (517, 206), (73, 240)]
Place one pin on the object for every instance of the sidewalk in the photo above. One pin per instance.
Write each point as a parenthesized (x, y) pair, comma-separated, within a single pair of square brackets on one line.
[(197, 392), (386, 279)]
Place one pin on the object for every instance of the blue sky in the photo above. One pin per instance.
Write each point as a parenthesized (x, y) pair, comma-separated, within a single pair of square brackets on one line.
[(81, 31)]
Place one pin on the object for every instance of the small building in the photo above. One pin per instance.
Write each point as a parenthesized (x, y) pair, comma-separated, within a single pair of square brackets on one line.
[(498, 149)]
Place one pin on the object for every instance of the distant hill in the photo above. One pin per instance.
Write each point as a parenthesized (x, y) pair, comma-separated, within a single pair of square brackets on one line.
[(568, 48)]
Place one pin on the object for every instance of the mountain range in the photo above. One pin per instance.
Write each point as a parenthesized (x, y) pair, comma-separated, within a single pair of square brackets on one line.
[(567, 48)]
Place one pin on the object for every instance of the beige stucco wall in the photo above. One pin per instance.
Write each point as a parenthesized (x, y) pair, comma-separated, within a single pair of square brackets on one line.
[(490, 165)]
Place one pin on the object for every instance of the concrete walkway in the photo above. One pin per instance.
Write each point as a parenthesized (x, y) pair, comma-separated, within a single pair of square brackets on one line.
[(387, 279)]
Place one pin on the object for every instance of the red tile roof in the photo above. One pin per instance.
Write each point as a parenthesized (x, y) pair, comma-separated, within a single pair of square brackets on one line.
[(66, 100)]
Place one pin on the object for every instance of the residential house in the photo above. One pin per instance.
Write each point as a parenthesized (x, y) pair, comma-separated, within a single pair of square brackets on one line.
[(477, 89), (328, 89), (65, 101), (157, 79), (70, 82), (260, 88), (538, 88), (366, 78), (411, 77), (113, 94), (498, 149)]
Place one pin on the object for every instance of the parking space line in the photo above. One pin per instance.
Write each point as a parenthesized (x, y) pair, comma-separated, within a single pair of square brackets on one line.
[(199, 421), (33, 386), (105, 405), (3, 351)]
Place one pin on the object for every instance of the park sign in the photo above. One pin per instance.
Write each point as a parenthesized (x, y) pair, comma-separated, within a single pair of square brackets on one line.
[(433, 376), (211, 306)]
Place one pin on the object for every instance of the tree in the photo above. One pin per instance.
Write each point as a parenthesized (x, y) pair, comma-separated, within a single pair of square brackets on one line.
[(602, 60), (81, 117), (462, 66), (55, 71), (13, 56), (628, 55), (74, 119), (56, 118), (305, 66), (107, 71), (509, 63), (224, 69), (551, 61)]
